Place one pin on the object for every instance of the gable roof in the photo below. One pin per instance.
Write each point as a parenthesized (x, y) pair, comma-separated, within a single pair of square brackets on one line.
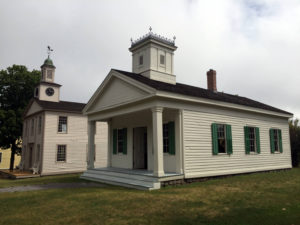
[(193, 91), (61, 106)]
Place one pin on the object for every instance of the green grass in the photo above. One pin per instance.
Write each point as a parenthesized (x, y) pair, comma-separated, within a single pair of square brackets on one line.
[(264, 198)]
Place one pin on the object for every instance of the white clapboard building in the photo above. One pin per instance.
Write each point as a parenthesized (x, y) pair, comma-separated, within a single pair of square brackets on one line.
[(55, 131), (160, 130)]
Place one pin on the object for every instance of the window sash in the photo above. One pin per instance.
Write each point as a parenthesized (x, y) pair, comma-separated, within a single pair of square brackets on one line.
[(165, 138), (62, 124)]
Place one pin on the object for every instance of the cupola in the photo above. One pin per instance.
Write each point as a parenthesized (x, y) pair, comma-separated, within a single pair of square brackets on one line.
[(153, 57)]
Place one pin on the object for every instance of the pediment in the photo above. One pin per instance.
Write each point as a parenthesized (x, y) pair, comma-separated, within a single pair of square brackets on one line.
[(33, 108), (116, 92)]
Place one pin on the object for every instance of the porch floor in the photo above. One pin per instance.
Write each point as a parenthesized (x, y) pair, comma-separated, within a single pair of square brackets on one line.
[(17, 174)]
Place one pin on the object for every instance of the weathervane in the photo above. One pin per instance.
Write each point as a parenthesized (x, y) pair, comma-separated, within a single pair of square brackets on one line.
[(49, 50)]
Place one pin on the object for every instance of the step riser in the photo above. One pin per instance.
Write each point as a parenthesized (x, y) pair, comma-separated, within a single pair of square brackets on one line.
[(124, 175)]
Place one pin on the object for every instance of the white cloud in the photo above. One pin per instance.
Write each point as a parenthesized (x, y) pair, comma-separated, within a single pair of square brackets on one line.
[(253, 45)]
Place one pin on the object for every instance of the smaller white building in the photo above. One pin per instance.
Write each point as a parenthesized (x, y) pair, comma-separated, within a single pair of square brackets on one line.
[(55, 131)]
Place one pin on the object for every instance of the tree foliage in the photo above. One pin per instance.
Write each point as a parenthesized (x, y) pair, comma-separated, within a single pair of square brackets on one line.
[(16, 89), (295, 141)]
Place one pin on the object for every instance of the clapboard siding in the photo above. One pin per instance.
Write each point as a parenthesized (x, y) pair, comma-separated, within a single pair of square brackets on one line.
[(199, 160), (76, 141)]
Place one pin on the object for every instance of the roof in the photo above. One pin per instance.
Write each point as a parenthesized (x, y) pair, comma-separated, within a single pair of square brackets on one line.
[(61, 106), (153, 36), (193, 91), (48, 62), (50, 83)]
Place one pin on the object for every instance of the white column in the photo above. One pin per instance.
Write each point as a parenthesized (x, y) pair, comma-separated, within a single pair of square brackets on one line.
[(178, 142), (91, 144), (157, 129)]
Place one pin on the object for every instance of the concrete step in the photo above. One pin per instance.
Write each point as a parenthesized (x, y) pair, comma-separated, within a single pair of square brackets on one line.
[(119, 179)]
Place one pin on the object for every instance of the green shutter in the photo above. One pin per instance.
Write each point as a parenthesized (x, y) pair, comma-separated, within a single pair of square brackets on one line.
[(125, 141), (171, 131), (214, 132), (115, 137), (228, 139), (280, 141), (272, 141), (257, 138), (247, 141)]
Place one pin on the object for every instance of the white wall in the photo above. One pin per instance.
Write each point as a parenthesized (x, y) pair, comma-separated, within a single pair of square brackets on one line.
[(198, 158), (76, 141)]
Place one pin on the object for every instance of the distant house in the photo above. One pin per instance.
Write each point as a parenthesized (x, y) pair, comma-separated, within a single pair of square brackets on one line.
[(55, 131), (161, 130), (5, 159)]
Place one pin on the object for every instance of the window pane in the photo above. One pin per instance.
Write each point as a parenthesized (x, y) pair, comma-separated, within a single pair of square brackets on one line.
[(252, 139), (120, 140), (141, 60), (165, 138), (61, 153), (221, 138), (276, 140), (162, 59)]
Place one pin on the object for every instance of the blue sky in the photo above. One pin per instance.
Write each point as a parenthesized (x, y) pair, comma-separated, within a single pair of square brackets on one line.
[(253, 45)]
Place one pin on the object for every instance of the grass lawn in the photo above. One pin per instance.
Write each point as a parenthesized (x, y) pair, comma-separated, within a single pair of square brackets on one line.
[(264, 198)]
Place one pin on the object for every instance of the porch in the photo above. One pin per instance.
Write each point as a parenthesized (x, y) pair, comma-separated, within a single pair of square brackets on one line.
[(144, 148)]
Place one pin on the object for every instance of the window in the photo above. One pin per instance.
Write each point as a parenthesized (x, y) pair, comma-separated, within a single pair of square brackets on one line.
[(0, 157), (62, 124), (49, 74), (32, 127), (221, 139), (169, 138), (40, 125), (61, 153), (252, 139), (141, 60), (120, 141), (162, 59), (165, 138), (276, 140)]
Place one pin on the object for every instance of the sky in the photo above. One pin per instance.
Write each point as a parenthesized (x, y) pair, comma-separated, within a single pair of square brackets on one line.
[(253, 45)]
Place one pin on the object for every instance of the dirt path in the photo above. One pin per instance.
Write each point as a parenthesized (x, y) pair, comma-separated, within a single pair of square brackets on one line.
[(49, 186)]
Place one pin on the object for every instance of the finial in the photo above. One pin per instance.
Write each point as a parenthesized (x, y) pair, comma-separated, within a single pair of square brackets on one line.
[(150, 29), (131, 40), (174, 38), (49, 50)]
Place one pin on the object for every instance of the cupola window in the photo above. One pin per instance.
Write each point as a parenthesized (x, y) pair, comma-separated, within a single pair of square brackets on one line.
[(162, 59), (49, 74), (141, 60)]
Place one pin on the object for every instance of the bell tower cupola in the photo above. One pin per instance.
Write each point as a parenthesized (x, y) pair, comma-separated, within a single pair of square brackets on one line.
[(153, 57), (47, 90)]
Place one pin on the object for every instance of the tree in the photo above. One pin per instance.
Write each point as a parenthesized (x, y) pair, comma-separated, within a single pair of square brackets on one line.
[(16, 89), (295, 141)]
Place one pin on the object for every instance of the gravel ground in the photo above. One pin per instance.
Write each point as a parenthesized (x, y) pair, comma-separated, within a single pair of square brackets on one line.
[(49, 186)]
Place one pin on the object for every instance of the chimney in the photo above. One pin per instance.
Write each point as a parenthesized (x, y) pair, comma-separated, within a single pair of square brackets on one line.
[(212, 80)]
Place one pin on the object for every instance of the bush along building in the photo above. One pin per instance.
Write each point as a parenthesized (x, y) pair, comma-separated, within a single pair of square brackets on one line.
[(160, 130), (55, 131)]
